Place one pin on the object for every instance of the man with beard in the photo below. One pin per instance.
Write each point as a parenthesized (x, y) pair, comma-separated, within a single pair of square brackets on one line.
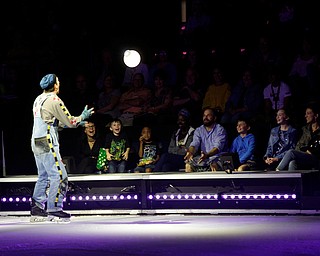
[(209, 141)]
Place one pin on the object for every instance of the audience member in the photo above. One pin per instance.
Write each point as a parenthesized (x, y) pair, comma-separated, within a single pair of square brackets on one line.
[(264, 56), (133, 101), (277, 94), (108, 100), (218, 93), (117, 147), (282, 138), (89, 145), (164, 65), (83, 91), (129, 74), (149, 151), (244, 145), (246, 100), (189, 94), (158, 111), (306, 155), (106, 65), (173, 160), (190, 59), (209, 141)]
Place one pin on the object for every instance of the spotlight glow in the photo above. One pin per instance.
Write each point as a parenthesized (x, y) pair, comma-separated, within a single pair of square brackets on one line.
[(131, 58)]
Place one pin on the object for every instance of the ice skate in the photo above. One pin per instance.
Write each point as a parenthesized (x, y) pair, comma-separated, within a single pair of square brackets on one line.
[(37, 214), (59, 216)]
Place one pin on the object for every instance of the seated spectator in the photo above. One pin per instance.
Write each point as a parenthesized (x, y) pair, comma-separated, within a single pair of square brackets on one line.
[(265, 55), (107, 64), (164, 65), (244, 145), (81, 89), (133, 101), (277, 94), (89, 146), (282, 138), (149, 151), (189, 94), (246, 100), (130, 73), (158, 111), (306, 155), (209, 141), (217, 93), (191, 58), (173, 160), (117, 147), (108, 99)]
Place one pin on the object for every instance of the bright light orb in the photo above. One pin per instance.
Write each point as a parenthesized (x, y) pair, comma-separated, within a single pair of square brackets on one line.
[(131, 58)]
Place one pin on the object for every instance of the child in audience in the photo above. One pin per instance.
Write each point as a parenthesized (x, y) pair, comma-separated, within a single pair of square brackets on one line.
[(117, 147), (282, 138), (149, 151), (244, 144)]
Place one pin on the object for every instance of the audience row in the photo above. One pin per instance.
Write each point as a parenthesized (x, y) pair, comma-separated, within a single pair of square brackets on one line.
[(207, 147)]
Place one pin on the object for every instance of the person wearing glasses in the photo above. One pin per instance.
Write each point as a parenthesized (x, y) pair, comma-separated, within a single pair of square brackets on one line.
[(90, 144)]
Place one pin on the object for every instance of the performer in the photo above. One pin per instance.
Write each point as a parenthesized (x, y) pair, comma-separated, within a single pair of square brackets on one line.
[(49, 116)]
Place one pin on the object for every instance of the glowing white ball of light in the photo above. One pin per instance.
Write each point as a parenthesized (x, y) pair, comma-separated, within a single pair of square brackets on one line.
[(131, 58)]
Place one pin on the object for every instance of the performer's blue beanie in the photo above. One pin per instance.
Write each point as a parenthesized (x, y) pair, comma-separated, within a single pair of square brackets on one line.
[(48, 81)]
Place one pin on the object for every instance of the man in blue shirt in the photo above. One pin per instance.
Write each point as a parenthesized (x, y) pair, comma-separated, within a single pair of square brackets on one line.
[(209, 141)]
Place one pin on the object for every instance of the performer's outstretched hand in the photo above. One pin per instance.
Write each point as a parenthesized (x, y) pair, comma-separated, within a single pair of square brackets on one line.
[(86, 113)]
